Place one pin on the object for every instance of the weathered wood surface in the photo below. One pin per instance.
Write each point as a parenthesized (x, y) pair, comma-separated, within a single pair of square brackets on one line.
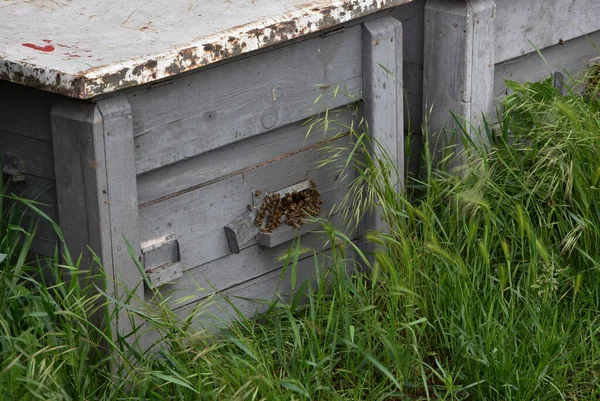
[(121, 197), (227, 159), (80, 173), (383, 104), (39, 190), (34, 156), (284, 234), (25, 134), (212, 313), (219, 106), (459, 66), (25, 111), (383, 92), (412, 16), (236, 269), (86, 48), (95, 180), (544, 23), (572, 56), (197, 217)]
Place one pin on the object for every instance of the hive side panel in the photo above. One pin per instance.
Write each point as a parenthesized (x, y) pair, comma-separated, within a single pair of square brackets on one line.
[(222, 105), (572, 57), (524, 25), (235, 269), (196, 218), (26, 150), (243, 155)]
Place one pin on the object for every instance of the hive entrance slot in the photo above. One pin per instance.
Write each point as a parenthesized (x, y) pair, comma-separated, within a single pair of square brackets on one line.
[(291, 205)]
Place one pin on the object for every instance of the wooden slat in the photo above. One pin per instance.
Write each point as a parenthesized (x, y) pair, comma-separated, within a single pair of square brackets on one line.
[(235, 269), (122, 201), (25, 111), (412, 17), (543, 23), (235, 157), (216, 312), (43, 191), (35, 157), (383, 100), (197, 218), (572, 56), (95, 180), (79, 164), (458, 66), (219, 106)]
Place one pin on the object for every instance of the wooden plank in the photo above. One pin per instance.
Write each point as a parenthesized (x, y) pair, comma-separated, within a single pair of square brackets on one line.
[(572, 57), (117, 129), (43, 191), (226, 160), (95, 180), (544, 23), (25, 111), (383, 100), (412, 16), (219, 106), (213, 313), (34, 156), (197, 217), (458, 67), (79, 165), (235, 269)]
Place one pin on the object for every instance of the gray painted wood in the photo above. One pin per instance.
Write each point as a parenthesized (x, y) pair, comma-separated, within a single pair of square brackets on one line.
[(32, 121), (284, 234), (544, 23), (43, 191), (226, 160), (241, 230), (219, 106), (235, 270), (197, 217), (412, 17), (165, 274), (34, 156), (212, 313), (121, 191), (383, 100), (78, 145), (79, 166), (458, 67), (571, 57), (95, 180)]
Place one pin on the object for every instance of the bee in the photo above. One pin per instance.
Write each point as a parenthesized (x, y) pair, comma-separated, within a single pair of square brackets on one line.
[(257, 193)]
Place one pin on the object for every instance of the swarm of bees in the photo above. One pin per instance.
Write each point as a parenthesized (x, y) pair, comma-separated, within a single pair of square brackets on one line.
[(294, 206)]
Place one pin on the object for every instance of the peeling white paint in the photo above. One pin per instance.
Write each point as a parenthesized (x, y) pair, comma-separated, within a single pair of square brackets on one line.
[(85, 48)]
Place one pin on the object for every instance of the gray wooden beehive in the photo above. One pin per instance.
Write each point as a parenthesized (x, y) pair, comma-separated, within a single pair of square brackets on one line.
[(161, 127)]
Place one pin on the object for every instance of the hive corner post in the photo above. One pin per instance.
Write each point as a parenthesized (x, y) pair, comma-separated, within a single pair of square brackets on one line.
[(458, 72), (96, 192), (383, 106)]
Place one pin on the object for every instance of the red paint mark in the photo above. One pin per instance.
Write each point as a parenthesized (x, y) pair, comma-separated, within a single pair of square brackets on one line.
[(71, 55), (58, 44), (47, 48), (46, 40)]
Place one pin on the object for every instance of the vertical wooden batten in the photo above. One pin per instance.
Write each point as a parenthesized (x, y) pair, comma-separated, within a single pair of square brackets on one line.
[(458, 71), (383, 100), (96, 189)]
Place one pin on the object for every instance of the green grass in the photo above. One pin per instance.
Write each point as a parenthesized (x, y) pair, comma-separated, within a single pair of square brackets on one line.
[(487, 288)]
